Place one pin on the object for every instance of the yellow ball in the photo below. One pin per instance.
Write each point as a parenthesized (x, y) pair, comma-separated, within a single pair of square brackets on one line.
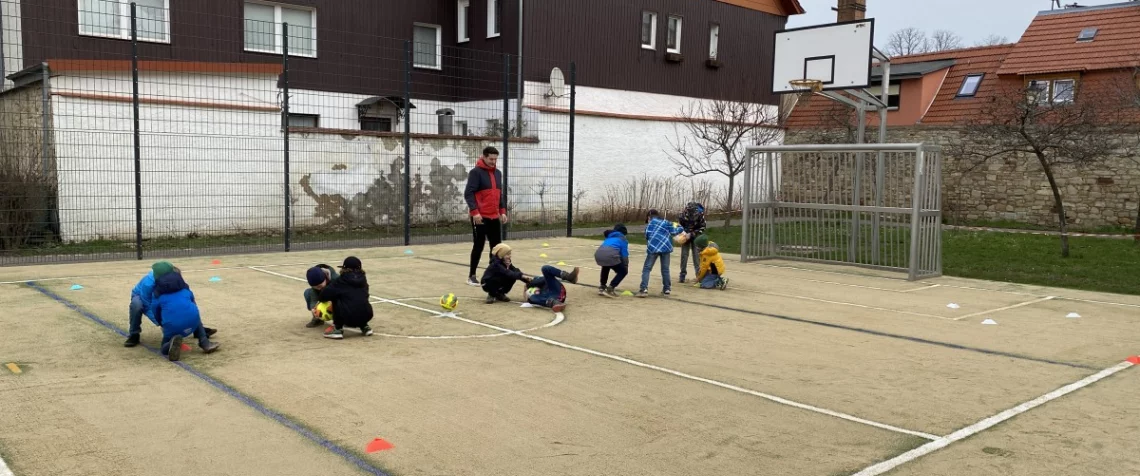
[(449, 302), (326, 311)]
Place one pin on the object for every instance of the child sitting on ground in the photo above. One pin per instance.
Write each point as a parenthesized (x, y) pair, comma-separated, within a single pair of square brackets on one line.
[(659, 238), (318, 277), (613, 254), (501, 274), (546, 291), (351, 304), (176, 311), (711, 273)]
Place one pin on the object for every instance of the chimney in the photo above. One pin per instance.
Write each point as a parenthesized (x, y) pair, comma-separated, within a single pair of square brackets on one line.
[(851, 10)]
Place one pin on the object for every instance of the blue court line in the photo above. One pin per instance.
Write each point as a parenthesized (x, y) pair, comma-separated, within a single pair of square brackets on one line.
[(279, 418), (917, 340)]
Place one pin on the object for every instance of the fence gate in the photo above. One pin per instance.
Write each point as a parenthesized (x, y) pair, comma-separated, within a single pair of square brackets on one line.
[(871, 205)]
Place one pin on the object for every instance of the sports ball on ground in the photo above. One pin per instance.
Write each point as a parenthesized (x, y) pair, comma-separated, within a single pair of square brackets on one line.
[(449, 302), (326, 311)]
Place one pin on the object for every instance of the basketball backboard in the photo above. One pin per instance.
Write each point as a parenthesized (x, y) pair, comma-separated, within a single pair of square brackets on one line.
[(836, 54)]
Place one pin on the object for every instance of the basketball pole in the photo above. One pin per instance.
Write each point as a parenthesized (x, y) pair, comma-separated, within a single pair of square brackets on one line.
[(880, 167)]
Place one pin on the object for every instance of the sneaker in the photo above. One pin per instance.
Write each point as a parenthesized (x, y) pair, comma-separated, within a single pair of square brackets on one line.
[(313, 323), (471, 281), (682, 280), (558, 306), (643, 294), (211, 348), (502, 298), (602, 291), (666, 292), (210, 332), (175, 351), (611, 292), (490, 299), (723, 284), (132, 341), (366, 330), (334, 334)]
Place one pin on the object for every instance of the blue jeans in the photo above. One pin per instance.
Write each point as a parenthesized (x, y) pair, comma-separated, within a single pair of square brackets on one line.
[(136, 314), (687, 249), (710, 281), (310, 298), (199, 333), (649, 261), (551, 288)]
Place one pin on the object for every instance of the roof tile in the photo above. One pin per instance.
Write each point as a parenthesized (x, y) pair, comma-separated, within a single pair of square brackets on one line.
[(1050, 43)]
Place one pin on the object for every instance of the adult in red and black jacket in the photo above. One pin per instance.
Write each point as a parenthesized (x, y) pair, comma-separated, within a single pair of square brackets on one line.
[(487, 205)]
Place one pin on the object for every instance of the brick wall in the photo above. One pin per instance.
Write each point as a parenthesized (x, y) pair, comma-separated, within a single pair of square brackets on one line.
[(1014, 187)]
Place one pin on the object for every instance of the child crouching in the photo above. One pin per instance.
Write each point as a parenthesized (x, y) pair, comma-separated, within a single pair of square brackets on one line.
[(711, 273), (350, 300), (501, 275), (613, 254), (176, 311)]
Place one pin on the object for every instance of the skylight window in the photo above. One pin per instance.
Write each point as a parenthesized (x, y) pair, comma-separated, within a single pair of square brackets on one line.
[(1087, 34), (970, 85)]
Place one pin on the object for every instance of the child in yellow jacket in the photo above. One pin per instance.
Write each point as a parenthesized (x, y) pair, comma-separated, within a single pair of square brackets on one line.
[(711, 273)]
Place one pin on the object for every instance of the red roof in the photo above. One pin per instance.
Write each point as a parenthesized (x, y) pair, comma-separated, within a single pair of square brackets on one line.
[(818, 111), (1050, 43)]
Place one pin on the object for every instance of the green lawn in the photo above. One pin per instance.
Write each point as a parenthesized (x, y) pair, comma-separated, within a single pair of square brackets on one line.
[(1095, 264)]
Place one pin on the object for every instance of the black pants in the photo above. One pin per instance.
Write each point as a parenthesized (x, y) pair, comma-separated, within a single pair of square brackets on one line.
[(490, 230), (499, 287), (620, 271)]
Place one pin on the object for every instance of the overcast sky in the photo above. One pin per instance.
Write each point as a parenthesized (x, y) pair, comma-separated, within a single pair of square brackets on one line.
[(971, 19)]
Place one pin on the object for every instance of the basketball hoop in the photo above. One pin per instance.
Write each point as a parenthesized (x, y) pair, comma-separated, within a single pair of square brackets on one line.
[(806, 86)]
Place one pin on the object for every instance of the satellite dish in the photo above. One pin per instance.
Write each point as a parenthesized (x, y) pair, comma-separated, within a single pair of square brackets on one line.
[(557, 83)]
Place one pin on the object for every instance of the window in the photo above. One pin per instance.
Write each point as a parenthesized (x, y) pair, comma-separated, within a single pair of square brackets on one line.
[(649, 30), (376, 124), (427, 46), (1087, 34), (304, 120), (492, 18), (714, 40), (112, 18), (1038, 91), (445, 118), (894, 96), (673, 41), (464, 14), (462, 126), (970, 86), (263, 29), (1063, 90)]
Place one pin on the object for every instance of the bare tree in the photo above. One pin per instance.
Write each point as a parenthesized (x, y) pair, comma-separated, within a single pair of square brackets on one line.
[(718, 132), (943, 40), (908, 41), (992, 40), (1057, 128)]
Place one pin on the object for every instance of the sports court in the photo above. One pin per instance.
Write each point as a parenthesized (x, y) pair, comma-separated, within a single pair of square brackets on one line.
[(796, 369)]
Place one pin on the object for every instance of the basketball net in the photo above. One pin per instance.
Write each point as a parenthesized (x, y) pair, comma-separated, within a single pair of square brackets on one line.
[(806, 87)]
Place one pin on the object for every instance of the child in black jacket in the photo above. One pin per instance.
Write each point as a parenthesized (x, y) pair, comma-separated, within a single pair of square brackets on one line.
[(501, 275), (351, 304)]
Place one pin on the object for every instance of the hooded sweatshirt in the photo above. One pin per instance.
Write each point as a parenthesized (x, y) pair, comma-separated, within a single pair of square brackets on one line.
[(350, 299), (483, 193), (693, 218), (711, 262), (614, 250), (144, 290), (174, 308)]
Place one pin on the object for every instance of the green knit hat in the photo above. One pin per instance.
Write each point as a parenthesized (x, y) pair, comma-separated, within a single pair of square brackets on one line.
[(162, 268), (702, 241)]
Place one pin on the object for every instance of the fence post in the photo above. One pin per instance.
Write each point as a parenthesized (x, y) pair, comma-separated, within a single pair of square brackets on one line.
[(915, 213), (570, 180), (407, 143), (749, 189), (504, 229), (285, 127), (137, 145)]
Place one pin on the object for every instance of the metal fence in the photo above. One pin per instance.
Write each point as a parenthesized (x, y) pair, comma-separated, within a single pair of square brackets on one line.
[(131, 136), (875, 205)]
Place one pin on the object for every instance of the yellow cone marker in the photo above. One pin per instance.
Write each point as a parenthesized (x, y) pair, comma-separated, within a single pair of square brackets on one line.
[(15, 368), (561, 263), (546, 245), (542, 255)]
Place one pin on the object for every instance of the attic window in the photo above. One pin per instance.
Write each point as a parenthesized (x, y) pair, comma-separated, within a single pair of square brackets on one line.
[(970, 86), (1087, 34)]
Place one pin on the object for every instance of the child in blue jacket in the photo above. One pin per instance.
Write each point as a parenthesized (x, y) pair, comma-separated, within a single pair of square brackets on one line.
[(141, 299), (176, 311), (613, 255), (659, 238)]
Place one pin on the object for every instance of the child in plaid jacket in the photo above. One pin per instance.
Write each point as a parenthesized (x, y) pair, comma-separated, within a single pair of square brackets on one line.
[(659, 236)]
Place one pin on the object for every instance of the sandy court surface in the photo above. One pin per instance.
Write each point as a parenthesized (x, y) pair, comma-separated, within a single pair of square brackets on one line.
[(458, 397)]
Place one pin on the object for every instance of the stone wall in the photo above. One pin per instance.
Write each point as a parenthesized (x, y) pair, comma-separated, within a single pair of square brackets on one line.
[(1014, 187)]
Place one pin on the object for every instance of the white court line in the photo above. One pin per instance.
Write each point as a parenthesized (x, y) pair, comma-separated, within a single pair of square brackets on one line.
[(1098, 302), (1015, 306), (987, 423), (727, 386), (4, 470), (924, 288)]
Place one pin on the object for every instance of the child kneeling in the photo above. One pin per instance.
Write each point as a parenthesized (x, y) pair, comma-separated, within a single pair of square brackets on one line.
[(711, 273), (547, 291), (176, 311)]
